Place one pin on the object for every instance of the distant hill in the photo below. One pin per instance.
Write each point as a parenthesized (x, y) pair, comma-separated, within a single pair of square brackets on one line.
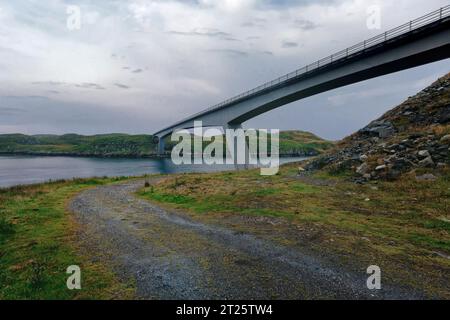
[(302, 143), (107, 145), (294, 143), (415, 136)]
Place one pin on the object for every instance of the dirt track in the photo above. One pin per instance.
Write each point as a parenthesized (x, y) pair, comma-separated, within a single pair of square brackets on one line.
[(170, 256)]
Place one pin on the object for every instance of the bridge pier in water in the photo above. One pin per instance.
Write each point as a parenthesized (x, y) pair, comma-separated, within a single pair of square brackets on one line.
[(235, 145), (161, 147)]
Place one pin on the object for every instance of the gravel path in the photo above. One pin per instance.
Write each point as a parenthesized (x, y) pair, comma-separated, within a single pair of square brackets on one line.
[(169, 256)]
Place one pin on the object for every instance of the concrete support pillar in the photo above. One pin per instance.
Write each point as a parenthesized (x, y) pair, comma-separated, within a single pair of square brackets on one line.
[(235, 146), (161, 147)]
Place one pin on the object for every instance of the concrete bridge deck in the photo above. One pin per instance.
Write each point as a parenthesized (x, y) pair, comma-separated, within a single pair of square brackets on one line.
[(418, 42)]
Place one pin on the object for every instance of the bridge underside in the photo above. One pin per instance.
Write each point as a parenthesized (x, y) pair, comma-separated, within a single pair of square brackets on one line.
[(422, 47)]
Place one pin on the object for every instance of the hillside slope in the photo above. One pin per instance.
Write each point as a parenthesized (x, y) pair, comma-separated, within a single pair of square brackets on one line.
[(413, 136), (295, 143), (72, 144)]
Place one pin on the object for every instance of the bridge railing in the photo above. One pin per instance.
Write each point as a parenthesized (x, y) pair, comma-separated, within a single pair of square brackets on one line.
[(406, 28)]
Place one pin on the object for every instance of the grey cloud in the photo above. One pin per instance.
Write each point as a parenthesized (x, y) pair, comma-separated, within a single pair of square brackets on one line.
[(10, 111), (122, 86), (9, 98), (287, 3), (206, 33), (255, 23), (305, 24), (230, 52), (49, 83), (248, 24), (116, 56), (289, 44), (231, 39), (89, 86), (85, 85), (40, 115)]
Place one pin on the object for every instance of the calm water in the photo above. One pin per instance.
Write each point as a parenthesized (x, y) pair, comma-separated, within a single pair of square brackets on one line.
[(15, 170)]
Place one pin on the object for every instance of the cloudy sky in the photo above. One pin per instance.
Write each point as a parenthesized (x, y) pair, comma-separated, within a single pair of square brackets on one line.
[(136, 66)]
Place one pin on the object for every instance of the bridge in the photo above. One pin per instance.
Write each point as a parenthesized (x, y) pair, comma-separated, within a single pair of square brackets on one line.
[(418, 42)]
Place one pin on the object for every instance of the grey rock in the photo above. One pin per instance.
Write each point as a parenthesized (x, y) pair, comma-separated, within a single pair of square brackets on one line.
[(424, 154), (394, 174), (383, 129), (401, 164), (441, 165), (385, 132), (445, 138), (427, 162), (444, 118), (363, 169), (426, 177)]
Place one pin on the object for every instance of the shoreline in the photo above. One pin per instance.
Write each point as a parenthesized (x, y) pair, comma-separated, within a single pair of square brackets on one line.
[(49, 176), (129, 156)]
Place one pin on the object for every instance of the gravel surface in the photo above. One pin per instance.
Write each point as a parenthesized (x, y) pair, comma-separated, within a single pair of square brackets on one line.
[(169, 256)]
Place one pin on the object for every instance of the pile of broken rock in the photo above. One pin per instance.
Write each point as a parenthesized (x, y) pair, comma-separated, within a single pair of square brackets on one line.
[(414, 135)]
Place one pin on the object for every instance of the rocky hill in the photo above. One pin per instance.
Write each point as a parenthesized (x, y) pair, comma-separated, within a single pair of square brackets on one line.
[(413, 136)]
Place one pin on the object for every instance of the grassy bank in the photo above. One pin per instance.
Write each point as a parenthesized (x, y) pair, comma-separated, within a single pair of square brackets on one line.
[(401, 226), (38, 242)]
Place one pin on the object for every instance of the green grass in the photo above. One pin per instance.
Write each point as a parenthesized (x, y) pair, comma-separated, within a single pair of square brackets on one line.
[(289, 142), (304, 188), (6, 229), (431, 242), (266, 192), (174, 199), (37, 244), (438, 225)]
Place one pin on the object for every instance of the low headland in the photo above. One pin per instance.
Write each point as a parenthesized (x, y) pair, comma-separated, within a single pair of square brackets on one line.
[(292, 144)]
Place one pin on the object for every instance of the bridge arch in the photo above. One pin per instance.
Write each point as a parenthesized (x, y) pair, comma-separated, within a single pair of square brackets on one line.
[(418, 42)]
